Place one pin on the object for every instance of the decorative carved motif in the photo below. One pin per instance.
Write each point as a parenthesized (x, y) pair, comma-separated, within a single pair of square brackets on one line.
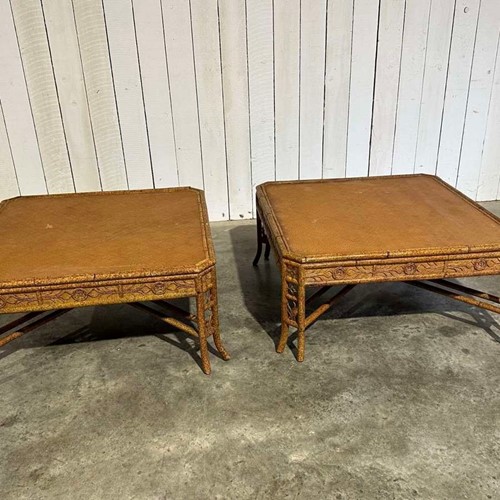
[(337, 273), (79, 295), (465, 267), (410, 268), (52, 299), (158, 288), (394, 272), (13, 300), (402, 271), (480, 264)]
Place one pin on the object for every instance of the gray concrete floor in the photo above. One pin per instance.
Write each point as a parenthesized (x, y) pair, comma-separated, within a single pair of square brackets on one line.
[(398, 398)]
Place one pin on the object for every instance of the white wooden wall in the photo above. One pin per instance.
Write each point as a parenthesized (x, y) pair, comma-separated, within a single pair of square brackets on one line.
[(226, 94)]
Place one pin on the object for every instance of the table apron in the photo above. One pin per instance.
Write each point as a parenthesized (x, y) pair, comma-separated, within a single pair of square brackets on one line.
[(417, 269), (90, 294)]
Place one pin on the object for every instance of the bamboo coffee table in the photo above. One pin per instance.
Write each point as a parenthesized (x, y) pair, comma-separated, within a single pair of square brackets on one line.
[(412, 228), (58, 252)]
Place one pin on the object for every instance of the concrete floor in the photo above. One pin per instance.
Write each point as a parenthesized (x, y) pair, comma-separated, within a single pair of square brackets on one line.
[(398, 398)]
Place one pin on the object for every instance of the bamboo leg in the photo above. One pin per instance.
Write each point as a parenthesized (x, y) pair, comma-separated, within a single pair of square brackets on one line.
[(268, 247), (293, 309), (259, 241), (301, 321), (288, 309), (285, 328), (214, 319), (202, 331)]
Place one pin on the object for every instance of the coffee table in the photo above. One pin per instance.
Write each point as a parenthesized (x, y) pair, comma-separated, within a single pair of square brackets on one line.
[(58, 252), (411, 228)]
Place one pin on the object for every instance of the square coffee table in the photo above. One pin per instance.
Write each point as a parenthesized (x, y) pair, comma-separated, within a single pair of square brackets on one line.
[(64, 251), (412, 228)]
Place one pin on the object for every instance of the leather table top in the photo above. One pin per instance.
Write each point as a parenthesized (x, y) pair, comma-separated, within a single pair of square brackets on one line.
[(375, 217), (48, 239)]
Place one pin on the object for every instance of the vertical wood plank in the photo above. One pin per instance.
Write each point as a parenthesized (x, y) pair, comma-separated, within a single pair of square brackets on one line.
[(476, 115), (286, 80), (364, 41), (410, 85), (156, 87), (489, 177), (435, 73), (312, 74), (459, 72), (261, 88), (63, 42), (120, 25), (386, 85), (337, 80), (94, 53), (8, 187), (178, 37), (205, 19), (32, 38), (227, 94), (17, 109), (236, 110)]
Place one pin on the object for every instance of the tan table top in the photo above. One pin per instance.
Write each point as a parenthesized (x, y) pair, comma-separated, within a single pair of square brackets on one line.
[(81, 237), (376, 217)]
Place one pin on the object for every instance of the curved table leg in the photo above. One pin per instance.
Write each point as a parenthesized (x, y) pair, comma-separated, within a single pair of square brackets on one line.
[(259, 241), (268, 247), (202, 332), (214, 320), (286, 311), (301, 322)]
